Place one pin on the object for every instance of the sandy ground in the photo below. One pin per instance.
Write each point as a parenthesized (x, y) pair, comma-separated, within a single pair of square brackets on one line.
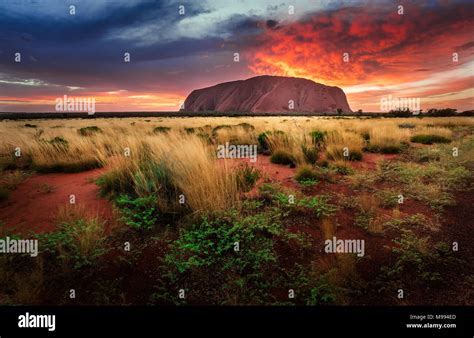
[(33, 205)]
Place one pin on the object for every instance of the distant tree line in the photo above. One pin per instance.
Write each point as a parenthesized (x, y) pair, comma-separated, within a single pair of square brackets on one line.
[(430, 112)]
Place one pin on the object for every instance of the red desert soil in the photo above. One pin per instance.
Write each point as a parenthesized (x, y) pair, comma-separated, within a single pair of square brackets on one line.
[(369, 160), (33, 205)]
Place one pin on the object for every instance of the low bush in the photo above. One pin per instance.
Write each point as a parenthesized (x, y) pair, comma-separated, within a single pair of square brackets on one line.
[(407, 126), (390, 149), (311, 154), (306, 173), (139, 213), (161, 130), (341, 167), (78, 242), (246, 126), (87, 131), (228, 260), (283, 157), (429, 139), (59, 141), (263, 143)]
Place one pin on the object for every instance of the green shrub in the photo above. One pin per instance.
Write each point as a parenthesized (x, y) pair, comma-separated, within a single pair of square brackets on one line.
[(246, 126), (306, 173), (429, 139), (283, 157), (247, 176), (189, 130), (342, 168), (87, 131), (308, 182), (161, 130), (139, 213), (426, 155), (319, 205), (407, 125), (79, 242), (228, 260), (323, 293), (388, 198), (393, 149), (311, 154), (151, 179), (417, 257), (269, 191), (263, 144), (317, 137), (59, 141)]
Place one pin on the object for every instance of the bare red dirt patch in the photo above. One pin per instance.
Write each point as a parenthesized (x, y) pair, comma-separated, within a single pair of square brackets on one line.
[(33, 205)]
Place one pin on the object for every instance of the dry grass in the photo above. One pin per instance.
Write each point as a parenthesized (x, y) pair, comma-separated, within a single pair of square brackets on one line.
[(328, 228), (388, 138), (344, 145), (88, 228), (187, 150), (80, 239)]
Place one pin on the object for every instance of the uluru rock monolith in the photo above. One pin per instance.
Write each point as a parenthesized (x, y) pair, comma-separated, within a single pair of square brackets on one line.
[(268, 94)]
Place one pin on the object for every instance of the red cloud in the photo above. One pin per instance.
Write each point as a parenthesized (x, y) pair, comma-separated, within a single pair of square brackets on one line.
[(383, 47)]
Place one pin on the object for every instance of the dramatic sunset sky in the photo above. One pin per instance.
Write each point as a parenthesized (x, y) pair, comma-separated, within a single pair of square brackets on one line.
[(81, 55)]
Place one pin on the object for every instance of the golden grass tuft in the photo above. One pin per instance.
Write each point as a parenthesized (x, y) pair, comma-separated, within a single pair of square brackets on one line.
[(338, 142)]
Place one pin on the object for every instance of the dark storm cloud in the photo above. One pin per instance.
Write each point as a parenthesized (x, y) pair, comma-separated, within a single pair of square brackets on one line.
[(88, 51)]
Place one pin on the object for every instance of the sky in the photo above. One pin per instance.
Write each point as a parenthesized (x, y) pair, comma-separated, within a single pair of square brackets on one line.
[(370, 49)]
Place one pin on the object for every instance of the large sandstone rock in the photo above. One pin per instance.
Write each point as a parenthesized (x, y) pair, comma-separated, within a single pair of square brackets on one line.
[(268, 94)]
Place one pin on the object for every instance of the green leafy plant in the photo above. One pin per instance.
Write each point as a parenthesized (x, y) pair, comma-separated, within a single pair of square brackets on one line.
[(317, 137), (140, 213), (229, 260), (78, 242), (417, 261)]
